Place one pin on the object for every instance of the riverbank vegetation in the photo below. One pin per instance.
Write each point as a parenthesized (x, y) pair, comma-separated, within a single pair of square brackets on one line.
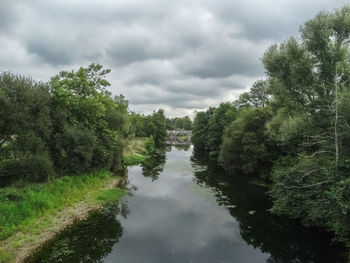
[(32, 214), (135, 151), (70, 125), (292, 128), (179, 123), (60, 142), (152, 125)]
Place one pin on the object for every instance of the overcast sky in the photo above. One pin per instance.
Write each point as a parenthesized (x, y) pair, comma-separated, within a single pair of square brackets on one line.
[(179, 55)]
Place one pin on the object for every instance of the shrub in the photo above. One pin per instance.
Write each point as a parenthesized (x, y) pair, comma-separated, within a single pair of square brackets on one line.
[(32, 168), (150, 145)]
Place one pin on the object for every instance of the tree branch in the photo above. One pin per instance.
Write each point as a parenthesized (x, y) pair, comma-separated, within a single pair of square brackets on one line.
[(305, 186)]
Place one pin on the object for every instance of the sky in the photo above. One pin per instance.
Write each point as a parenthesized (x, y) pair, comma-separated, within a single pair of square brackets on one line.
[(178, 55)]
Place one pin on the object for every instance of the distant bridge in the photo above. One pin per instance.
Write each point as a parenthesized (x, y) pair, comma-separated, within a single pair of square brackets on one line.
[(173, 137)]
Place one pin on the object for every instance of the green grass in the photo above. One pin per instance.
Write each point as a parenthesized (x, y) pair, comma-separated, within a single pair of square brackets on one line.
[(111, 195), (135, 151), (182, 137), (133, 159), (21, 206), (135, 145), (27, 212), (4, 257)]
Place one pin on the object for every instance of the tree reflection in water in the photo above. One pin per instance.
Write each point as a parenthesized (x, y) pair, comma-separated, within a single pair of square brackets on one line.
[(184, 147), (88, 241), (284, 239), (153, 166)]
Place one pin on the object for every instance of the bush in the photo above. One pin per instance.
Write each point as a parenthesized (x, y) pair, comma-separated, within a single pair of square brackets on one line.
[(246, 146), (150, 145), (74, 149), (34, 168)]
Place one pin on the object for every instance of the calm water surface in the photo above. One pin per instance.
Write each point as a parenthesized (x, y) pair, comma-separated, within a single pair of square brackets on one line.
[(180, 211)]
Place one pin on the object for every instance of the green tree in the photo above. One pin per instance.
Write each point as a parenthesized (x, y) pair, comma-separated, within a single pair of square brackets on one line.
[(159, 127), (183, 123), (200, 130), (309, 80), (25, 129), (246, 146), (255, 98), (89, 123), (187, 123), (221, 117), (150, 145), (138, 126)]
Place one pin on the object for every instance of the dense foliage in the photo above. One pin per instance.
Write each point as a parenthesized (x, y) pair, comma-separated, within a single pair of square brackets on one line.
[(179, 123), (208, 128), (246, 147), (152, 125), (293, 128), (70, 125)]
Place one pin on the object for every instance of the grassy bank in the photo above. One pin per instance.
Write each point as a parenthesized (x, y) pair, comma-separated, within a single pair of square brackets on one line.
[(135, 151), (134, 159), (182, 137), (33, 214)]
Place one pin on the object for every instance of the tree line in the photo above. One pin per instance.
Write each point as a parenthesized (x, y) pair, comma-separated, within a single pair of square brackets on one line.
[(69, 125), (153, 126), (293, 128), (179, 123)]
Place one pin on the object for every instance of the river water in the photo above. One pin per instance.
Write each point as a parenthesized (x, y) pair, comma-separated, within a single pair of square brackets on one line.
[(180, 210)]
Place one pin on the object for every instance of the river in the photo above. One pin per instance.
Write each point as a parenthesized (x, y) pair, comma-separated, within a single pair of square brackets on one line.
[(180, 210)]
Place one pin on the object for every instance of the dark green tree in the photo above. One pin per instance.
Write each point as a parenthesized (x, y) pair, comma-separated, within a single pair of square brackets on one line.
[(158, 132), (200, 130), (308, 81), (255, 98), (246, 146), (25, 129), (89, 123), (221, 117)]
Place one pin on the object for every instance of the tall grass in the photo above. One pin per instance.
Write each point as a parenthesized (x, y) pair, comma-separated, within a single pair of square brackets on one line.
[(20, 206), (134, 159)]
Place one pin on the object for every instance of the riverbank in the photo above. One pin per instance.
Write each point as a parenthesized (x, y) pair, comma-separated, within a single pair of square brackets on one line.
[(135, 151), (34, 214)]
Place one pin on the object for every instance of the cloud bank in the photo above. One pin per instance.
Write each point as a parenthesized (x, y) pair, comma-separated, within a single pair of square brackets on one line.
[(177, 55)]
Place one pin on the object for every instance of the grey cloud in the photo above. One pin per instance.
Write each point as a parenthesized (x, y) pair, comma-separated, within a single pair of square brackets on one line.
[(188, 93), (274, 20), (140, 47), (8, 15), (50, 53), (179, 55), (68, 52), (224, 60), (223, 65)]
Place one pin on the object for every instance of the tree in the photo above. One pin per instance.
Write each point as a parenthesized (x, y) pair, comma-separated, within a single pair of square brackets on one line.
[(184, 123), (159, 125), (150, 145), (25, 129), (137, 128), (221, 117), (70, 125), (310, 79), (246, 146), (200, 130), (255, 98), (89, 123)]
